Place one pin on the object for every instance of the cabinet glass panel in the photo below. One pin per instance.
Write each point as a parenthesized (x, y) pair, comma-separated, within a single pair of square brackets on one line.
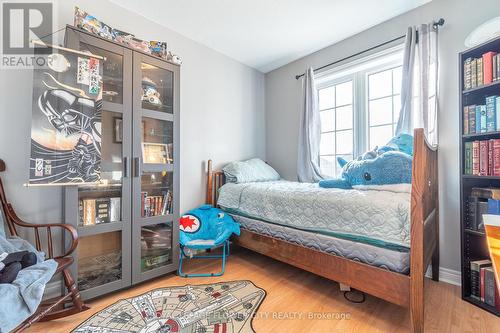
[(112, 73), (156, 246), (157, 88), (102, 203), (99, 259), (157, 141), (156, 194)]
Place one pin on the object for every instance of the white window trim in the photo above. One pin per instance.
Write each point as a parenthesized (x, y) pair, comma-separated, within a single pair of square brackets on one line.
[(358, 71)]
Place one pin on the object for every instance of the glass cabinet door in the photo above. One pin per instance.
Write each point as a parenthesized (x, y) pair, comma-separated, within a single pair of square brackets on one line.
[(112, 78), (154, 233), (157, 88), (103, 210)]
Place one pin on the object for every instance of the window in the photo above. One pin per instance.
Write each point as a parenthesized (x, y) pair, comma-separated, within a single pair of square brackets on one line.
[(336, 113), (384, 104), (359, 106)]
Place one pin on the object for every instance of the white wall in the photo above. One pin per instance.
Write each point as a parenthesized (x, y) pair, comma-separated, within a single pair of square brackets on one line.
[(222, 113), (283, 100)]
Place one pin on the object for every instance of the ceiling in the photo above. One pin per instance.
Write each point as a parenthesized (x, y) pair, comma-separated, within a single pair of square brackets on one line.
[(267, 34)]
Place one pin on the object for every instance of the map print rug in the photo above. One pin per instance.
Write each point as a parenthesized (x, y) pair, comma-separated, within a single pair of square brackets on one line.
[(225, 307)]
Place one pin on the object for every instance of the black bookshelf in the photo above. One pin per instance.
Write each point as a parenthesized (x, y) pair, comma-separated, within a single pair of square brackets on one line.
[(473, 242)]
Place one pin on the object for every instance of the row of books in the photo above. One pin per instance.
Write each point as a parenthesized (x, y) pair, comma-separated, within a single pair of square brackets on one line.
[(101, 210), (482, 158), (482, 283), (481, 71), (482, 118), (482, 201), (155, 205)]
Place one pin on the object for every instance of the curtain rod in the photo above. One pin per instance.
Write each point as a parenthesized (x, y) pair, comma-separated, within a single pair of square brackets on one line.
[(436, 24)]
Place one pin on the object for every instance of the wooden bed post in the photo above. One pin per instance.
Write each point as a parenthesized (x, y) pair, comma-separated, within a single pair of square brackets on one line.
[(210, 183), (424, 225)]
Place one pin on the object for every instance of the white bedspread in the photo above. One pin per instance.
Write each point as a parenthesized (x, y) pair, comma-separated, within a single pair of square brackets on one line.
[(375, 217)]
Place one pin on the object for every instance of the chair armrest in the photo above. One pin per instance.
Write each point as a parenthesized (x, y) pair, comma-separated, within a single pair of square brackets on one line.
[(48, 227)]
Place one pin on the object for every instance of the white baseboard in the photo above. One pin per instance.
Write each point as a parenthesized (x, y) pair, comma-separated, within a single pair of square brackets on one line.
[(447, 275)]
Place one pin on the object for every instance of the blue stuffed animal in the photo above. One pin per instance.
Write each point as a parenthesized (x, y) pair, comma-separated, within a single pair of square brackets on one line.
[(381, 172), (206, 226), (382, 168), (401, 142)]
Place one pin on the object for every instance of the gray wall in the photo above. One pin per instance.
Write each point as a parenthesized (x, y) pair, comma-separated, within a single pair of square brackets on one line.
[(222, 113), (283, 100)]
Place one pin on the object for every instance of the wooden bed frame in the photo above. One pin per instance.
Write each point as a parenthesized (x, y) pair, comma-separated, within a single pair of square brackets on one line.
[(397, 288)]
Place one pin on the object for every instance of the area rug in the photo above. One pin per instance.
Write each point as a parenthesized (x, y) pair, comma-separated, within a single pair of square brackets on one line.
[(224, 307)]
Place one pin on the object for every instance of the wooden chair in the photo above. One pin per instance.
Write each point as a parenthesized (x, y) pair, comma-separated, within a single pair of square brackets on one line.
[(55, 308)]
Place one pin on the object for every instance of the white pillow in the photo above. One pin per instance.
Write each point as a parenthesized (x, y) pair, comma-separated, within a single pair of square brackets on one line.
[(253, 170)]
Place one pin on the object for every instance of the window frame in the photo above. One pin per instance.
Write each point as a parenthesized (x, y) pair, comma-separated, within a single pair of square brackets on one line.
[(358, 71)]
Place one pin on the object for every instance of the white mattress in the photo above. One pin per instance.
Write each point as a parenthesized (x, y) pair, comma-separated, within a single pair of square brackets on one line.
[(378, 218)]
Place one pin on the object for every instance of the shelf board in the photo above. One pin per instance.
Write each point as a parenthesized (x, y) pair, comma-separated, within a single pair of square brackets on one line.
[(482, 305), (474, 232), (481, 135), (480, 177), (485, 87)]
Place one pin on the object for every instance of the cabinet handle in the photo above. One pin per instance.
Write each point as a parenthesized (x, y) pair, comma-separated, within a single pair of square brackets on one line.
[(125, 167), (137, 167)]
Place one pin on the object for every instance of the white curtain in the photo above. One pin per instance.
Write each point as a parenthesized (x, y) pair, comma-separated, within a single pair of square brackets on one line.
[(309, 133), (419, 92)]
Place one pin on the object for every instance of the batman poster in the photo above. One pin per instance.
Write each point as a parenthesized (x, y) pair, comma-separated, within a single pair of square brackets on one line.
[(66, 118)]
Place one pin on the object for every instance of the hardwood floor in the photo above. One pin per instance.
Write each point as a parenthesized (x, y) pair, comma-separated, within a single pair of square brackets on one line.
[(294, 296)]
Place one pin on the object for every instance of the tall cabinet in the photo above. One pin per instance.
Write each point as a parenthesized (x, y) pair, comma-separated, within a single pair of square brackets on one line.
[(126, 223)]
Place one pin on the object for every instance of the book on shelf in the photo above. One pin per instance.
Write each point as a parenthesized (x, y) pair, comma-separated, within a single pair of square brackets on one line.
[(483, 286), (497, 113), (488, 67), (482, 201), (100, 210), (468, 157), (481, 71), (491, 294), (475, 277), (496, 67), (115, 209), (472, 213), (156, 205), (491, 121), (495, 72), (472, 119), (480, 77), (466, 120), (89, 212), (482, 157), (481, 110), (473, 72)]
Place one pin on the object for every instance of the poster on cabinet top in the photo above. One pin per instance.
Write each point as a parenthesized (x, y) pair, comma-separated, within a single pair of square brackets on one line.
[(66, 118)]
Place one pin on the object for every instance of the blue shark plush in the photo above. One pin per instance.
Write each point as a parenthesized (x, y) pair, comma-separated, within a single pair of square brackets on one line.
[(402, 142), (384, 172), (206, 227)]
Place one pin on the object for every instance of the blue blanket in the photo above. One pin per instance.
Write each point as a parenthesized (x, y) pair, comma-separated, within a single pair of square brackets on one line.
[(20, 299)]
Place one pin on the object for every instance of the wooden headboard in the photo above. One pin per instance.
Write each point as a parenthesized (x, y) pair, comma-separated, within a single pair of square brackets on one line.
[(215, 180)]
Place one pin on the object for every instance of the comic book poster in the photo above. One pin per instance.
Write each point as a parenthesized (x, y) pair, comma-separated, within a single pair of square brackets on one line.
[(66, 118)]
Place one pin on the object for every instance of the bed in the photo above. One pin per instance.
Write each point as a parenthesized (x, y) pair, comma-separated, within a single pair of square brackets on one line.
[(379, 243)]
